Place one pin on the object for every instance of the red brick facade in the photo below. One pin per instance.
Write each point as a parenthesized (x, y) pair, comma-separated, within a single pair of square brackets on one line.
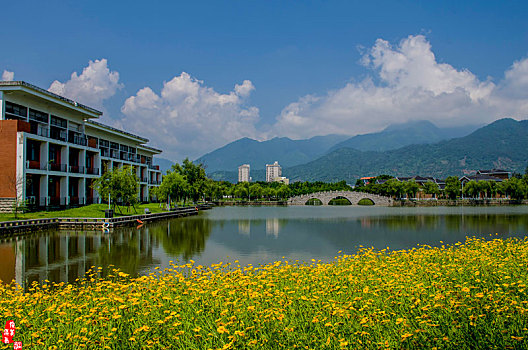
[(8, 150)]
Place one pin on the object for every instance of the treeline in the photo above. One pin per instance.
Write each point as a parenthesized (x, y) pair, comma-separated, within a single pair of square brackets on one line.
[(188, 181), (514, 188)]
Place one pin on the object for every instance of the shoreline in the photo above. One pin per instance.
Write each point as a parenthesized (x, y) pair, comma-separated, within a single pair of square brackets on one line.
[(21, 227)]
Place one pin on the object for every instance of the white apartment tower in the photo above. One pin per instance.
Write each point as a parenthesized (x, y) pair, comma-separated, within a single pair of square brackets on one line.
[(273, 171), (243, 173)]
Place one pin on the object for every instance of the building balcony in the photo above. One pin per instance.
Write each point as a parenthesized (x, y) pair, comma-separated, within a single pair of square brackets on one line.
[(78, 140), (77, 169), (39, 129), (92, 171), (33, 164), (57, 167), (59, 135), (57, 200), (145, 179)]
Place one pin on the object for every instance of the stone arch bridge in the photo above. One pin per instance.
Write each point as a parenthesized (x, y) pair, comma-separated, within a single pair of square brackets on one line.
[(353, 197)]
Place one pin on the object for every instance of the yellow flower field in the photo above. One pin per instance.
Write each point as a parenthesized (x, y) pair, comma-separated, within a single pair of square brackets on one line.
[(467, 296)]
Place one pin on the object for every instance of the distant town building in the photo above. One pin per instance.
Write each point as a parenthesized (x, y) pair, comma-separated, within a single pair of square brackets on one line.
[(243, 173), (499, 173), (282, 179), (273, 171)]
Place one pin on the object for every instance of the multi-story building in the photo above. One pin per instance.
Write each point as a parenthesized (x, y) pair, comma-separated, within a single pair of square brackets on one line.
[(243, 173), (51, 150), (273, 171)]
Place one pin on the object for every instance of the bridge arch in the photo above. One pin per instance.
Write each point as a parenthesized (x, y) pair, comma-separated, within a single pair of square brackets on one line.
[(313, 201), (339, 200), (352, 197)]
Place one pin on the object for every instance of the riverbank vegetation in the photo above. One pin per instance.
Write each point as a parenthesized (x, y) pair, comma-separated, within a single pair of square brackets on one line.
[(515, 188), (465, 296)]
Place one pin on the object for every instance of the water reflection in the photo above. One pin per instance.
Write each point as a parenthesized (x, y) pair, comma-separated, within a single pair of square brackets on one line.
[(251, 235), (64, 256), (272, 227)]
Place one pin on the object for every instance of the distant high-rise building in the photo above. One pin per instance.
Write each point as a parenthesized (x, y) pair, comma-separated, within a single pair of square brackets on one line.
[(273, 171), (243, 173)]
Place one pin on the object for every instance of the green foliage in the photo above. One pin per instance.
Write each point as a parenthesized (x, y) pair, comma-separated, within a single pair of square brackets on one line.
[(452, 187), (173, 187), (431, 188), (411, 187), (121, 183), (365, 201)]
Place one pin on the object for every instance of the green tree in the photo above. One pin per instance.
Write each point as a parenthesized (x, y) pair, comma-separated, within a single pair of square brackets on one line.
[(471, 189), (241, 191), (255, 191), (283, 192), (121, 184), (195, 176), (173, 187), (431, 188), (411, 187), (452, 187)]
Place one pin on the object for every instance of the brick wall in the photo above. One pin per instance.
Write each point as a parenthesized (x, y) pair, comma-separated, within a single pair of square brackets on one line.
[(8, 146)]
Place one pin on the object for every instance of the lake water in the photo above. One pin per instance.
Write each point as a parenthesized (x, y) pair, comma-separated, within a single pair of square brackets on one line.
[(252, 235)]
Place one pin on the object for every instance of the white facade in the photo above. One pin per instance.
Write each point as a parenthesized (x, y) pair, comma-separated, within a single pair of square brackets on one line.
[(60, 151), (273, 171), (243, 173)]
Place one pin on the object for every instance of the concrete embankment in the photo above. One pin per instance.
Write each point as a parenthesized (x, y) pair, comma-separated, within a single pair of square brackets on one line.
[(456, 202), (234, 203), (20, 227)]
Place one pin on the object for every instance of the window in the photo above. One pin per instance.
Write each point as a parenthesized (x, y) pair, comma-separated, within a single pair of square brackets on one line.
[(104, 143), (33, 152), (15, 110), (56, 121), (38, 116)]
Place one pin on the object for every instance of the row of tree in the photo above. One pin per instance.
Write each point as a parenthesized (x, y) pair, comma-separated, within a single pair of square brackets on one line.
[(514, 188), (188, 182)]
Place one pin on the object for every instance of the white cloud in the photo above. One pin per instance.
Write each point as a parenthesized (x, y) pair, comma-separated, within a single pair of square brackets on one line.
[(8, 76), (95, 84), (245, 89), (188, 118), (408, 84)]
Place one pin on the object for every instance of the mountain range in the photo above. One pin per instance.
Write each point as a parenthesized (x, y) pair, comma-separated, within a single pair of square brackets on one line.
[(501, 144), (286, 151), (290, 152), (399, 135)]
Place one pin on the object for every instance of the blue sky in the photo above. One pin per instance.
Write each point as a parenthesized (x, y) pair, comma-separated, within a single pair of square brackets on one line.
[(303, 68)]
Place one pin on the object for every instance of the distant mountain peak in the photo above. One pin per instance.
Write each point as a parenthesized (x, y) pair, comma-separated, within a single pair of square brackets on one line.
[(410, 124)]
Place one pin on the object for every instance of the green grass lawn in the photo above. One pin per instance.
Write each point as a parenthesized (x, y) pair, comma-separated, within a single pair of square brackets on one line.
[(88, 211)]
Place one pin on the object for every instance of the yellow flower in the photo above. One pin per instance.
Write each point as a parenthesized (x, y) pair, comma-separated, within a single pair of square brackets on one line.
[(222, 330), (406, 335)]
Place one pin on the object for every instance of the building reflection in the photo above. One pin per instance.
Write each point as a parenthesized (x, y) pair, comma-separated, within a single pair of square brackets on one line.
[(272, 227), (64, 256), (244, 227)]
